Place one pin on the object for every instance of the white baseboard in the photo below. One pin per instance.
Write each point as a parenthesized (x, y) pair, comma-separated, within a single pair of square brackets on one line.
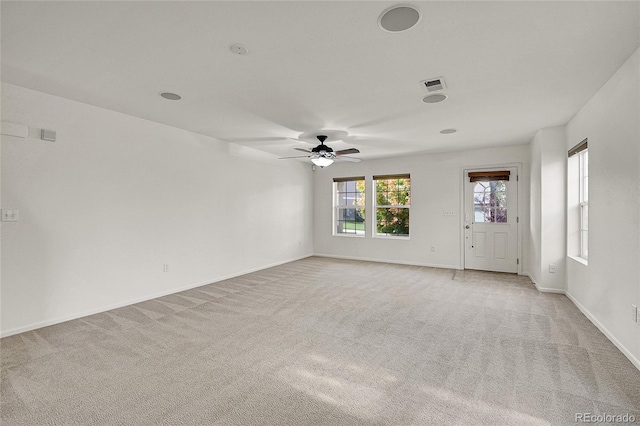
[(635, 361), (400, 262), (59, 320), (591, 317), (545, 289)]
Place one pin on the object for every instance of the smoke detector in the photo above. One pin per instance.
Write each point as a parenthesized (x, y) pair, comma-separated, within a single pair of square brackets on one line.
[(239, 49), (433, 84)]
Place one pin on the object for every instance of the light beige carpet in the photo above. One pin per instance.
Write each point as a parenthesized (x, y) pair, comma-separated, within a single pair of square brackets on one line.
[(324, 342)]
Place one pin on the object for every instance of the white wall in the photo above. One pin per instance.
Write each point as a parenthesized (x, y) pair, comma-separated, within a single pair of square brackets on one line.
[(116, 196), (610, 283), (436, 185), (548, 208), (535, 209)]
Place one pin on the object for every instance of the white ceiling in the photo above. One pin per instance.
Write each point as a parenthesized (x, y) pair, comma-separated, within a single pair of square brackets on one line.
[(511, 67)]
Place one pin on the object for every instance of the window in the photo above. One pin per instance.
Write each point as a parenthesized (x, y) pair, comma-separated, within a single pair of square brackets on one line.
[(578, 201), (490, 201), (584, 204), (393, 201), (349, 205), (490, 196)]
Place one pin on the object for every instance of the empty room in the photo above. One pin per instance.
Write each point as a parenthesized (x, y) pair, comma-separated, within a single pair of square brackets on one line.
[(320, 213)]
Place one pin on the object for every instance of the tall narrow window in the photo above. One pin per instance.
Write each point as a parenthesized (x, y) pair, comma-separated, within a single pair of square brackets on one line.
[(393, 201), (578, 201), (349, 205), (584, 204)]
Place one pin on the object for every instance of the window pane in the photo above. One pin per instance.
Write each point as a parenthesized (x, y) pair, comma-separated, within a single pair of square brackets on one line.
[(349, 207), (585, 188), (583, 194), (584, 225), (490, 201), (480, 186), (346, 214), (392, 221), (481, 198), (350, 221), (584, 251), (586, 162), (393, 192)]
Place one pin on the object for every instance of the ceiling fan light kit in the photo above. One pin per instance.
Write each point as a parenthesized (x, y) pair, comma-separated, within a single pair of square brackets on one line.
[(323, 155), (322, 161)]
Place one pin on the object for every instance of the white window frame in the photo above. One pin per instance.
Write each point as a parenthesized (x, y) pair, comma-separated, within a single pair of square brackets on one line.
[(578, 203), (376, 206), (337, 208), (584, 203)]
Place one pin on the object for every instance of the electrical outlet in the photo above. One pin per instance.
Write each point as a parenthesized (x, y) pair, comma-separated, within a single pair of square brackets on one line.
[(552, 269), (634, 313), (10, 215), (165, 267), (433, 248), (447, 213)]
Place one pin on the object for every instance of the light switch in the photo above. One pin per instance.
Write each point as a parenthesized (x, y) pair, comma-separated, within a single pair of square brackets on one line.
[(9, 215)]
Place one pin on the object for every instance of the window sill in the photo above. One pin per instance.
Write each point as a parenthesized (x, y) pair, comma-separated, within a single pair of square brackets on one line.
[(390, 237), (579, 259), (349, 235)]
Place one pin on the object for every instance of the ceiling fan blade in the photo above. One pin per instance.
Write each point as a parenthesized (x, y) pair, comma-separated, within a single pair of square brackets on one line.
[(378, 142), (348, 151), (299, 156), (350, 159), (302, 149), (257, 139)]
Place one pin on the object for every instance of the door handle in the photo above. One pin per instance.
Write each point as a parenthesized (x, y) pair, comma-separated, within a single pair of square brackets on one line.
[(467, 227)]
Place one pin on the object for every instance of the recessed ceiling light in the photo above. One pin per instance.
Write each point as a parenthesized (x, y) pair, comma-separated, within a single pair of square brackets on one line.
[(448, 131), (171, 96), (398, 18), (239, 49), (434, 99)]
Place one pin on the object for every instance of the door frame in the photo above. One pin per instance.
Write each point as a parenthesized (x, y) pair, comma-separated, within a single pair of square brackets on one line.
[(463, 173)]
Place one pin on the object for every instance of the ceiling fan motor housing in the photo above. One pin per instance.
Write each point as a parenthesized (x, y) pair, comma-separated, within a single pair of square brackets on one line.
[(322, 148)]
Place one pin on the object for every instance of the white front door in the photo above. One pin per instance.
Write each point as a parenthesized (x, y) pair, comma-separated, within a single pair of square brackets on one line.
[(491, 217)]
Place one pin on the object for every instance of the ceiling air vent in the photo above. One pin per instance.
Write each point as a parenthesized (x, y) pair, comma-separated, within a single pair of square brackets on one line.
[(433, 84)]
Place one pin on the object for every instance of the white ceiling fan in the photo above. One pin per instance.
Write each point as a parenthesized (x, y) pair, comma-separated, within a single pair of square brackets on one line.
[(323, 155)]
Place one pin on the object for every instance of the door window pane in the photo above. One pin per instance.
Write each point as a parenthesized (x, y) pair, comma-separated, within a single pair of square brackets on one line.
[(490, 201)]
